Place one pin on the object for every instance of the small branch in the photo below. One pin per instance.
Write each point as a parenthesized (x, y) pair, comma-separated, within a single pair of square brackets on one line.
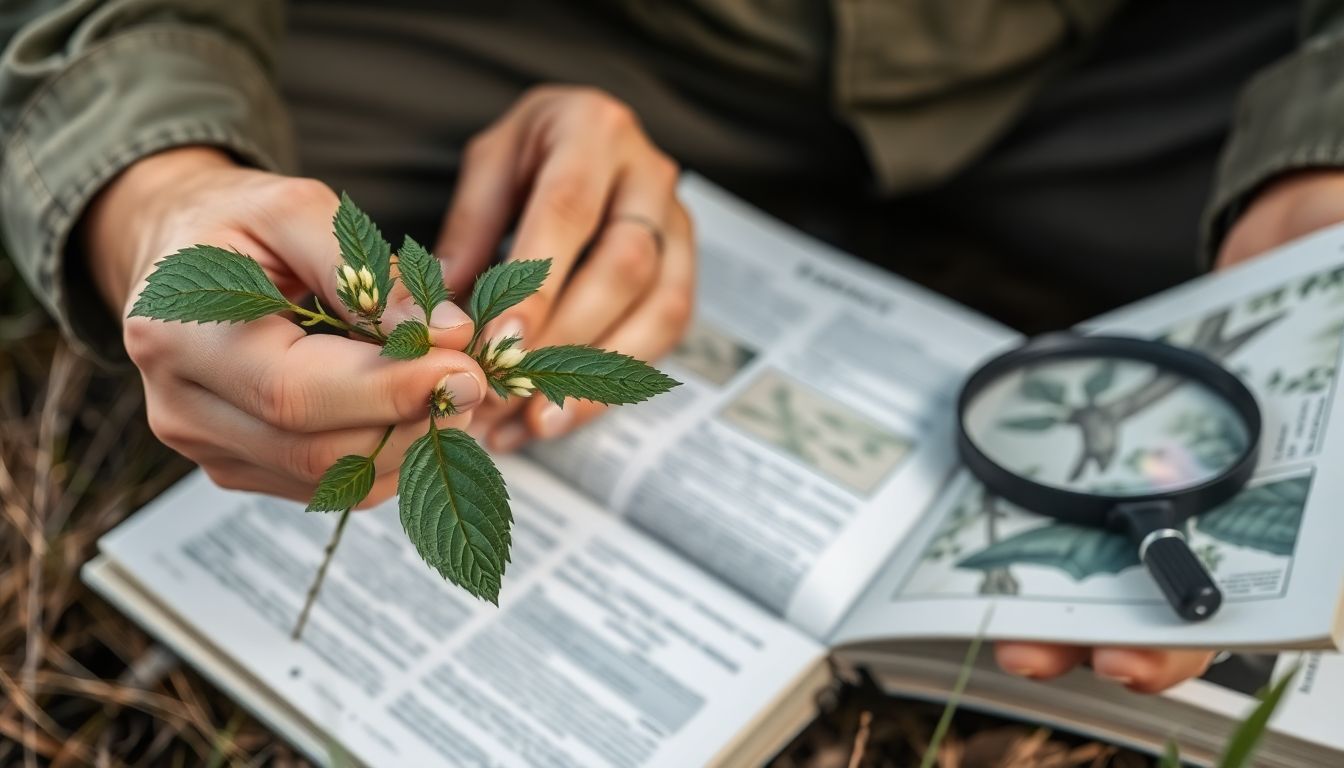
[(321, 574), (322, 317), (330, 551)]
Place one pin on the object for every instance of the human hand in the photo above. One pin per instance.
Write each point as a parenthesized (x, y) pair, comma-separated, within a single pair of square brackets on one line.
[(262, 406), (573, 166), (1286, 209), (1143, 670)]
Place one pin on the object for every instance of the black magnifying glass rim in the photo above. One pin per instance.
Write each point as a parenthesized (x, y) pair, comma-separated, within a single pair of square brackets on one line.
[(1097, 509)]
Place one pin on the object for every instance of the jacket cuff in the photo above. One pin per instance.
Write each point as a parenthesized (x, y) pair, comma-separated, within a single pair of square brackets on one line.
[(1290, 117), (138, 93)]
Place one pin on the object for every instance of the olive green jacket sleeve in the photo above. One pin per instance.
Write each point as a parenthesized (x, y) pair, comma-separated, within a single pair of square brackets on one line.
[(88, 87), (1289, 117)]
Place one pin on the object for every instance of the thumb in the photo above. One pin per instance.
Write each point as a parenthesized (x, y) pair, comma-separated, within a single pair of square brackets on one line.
[(449, 326)]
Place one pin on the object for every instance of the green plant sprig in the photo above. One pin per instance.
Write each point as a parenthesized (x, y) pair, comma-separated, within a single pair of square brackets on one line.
[(452, 500)]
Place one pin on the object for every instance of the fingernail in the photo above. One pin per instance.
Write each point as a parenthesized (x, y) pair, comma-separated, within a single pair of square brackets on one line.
[(554, 420), (447, 315), (1125, 680), (463, 388), (1023, 672), (509, 437)]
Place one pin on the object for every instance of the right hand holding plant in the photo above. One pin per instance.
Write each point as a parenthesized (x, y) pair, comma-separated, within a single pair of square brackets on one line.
[(453, 503), (262, 406)]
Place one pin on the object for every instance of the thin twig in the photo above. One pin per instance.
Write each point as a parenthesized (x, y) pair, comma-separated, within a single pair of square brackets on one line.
[(860, 739), (321, 574)]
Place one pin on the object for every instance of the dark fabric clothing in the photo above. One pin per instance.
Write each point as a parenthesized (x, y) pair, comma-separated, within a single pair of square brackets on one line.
[(1074, 137)]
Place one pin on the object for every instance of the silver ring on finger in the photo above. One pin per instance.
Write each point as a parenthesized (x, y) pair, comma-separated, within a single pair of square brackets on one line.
[(648, 224)]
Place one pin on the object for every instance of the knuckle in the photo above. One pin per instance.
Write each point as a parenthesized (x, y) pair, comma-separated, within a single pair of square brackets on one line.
[(607, 112), (144, 341), (664, 169), (308, 459), (674, 310), (636, 261), (304, 192), (282, 404), (566, 198)]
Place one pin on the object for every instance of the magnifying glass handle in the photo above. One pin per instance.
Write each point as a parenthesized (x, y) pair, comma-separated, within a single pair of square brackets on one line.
[(1180, 575), (1183, 579)]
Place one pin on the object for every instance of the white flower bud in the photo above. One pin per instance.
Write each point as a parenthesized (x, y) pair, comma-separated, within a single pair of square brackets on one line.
[(366, 277), (351, 279), (519, 385), (508, 358), (366, 302), (520, 391), (340, 282)]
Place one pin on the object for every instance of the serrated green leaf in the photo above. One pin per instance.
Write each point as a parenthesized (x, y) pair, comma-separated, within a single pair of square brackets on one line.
[(362, 245), (343, 485), (1241, 748), (1266, 517), (503, 286), (409, 340), (1079, 552), (1043, 390), (455, 510), (207, 284), (591, 374), (1029, 423), (422, 276)]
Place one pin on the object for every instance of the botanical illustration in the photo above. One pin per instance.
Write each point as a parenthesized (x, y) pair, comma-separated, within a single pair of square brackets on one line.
[(826, 435), (710, 353), (988, 546)]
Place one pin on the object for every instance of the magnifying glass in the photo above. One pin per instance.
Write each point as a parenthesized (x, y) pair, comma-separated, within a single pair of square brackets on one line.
[(1130, 435)]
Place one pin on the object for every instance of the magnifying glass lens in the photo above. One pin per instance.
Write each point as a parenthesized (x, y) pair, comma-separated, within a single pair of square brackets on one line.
[(1105, 425)]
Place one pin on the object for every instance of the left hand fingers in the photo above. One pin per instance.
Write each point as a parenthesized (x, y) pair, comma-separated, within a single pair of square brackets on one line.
[(650, 329), (1144, 670)]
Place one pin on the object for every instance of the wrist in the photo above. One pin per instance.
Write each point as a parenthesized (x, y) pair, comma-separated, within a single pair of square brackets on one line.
[(120, 232)]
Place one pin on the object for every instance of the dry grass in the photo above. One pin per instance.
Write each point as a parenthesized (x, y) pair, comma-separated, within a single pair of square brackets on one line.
[(84, 686)]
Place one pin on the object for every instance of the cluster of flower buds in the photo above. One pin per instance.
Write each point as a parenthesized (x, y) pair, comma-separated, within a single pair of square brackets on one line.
[(358, 285), (502, 355), (520, 386)]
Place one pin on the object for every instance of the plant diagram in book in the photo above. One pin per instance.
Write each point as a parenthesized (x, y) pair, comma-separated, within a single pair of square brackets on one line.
[(987, 546), (711, 354), (828, 436)]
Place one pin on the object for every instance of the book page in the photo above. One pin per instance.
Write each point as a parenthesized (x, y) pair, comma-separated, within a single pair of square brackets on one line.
[(812, 426), (1277, 322), (606, 650)]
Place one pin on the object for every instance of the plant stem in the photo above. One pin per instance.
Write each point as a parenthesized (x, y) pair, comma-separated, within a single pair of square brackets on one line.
[(321, 574), (386, 434), (322, 317), (331, 549)]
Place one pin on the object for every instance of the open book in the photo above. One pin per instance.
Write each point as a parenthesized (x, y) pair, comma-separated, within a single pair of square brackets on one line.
[(688, 573)]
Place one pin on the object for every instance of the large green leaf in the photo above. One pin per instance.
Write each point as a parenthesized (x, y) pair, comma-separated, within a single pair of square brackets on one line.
[(343, 485), (503, 286), (362, 245), (422, 275), (455, 509), (1266, 517), (206, 284), (1079, 552), (591, 374), (409, 340)]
